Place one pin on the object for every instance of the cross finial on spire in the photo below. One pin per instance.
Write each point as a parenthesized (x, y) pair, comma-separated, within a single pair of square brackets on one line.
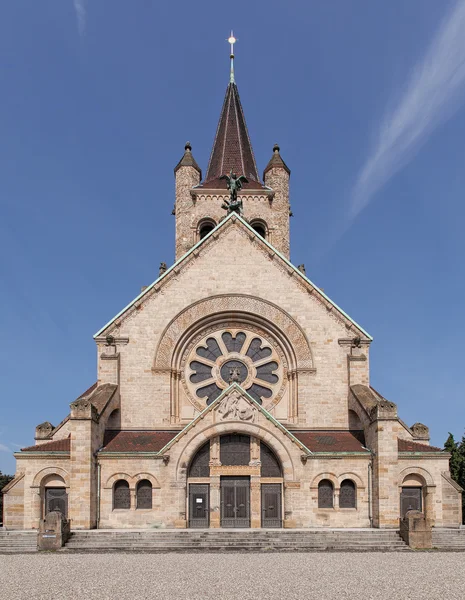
[(232, 40)]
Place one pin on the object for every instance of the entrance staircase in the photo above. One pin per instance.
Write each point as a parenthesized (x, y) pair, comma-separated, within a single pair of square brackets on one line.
[(18, 541), (237, 540), (449, 539)]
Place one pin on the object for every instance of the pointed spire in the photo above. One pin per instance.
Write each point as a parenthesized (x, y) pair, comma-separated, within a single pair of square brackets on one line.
[(188, 160), (276, 161), (232, 40), (232, 148)]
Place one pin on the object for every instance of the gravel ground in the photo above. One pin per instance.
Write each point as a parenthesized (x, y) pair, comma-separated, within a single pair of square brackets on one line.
[(326, 576)]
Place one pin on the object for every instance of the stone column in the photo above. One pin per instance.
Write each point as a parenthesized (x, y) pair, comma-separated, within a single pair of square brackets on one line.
[(255, 502), (215, 502)]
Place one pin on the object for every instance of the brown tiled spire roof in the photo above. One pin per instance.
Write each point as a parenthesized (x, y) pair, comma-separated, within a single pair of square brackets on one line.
[(188, 160), (276, 161), (232, 148)]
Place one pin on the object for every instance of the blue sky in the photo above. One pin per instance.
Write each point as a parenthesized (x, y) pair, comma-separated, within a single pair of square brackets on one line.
[(98, 98)]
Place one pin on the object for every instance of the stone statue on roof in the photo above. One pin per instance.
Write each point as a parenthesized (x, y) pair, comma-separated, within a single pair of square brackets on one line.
[(234, 185)]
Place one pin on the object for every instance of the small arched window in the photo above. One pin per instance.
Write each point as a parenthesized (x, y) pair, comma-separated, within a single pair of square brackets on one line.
[(325, 494), (260, 228), (205, 227), (347, 494), (144, 494), (121, 495)]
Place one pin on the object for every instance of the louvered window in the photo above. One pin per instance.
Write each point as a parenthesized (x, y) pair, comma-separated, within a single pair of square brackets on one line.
[(121, 495), (325, 494), (235, 449), (144, 494), (347, 495), (200, 465), (270, 464)]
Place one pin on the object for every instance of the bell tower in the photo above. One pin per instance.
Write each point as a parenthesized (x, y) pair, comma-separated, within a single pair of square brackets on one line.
[(200, 205)]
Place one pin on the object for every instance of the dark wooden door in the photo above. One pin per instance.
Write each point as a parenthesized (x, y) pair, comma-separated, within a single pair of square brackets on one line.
[(56, 499), (410, 499), (271, 505), (235, 502), (199, 505)]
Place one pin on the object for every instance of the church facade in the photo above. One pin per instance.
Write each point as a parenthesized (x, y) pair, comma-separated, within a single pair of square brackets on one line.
[(232, 392)]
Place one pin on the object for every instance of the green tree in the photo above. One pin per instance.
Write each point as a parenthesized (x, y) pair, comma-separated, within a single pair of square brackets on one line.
[(4, 479), (457, 464)]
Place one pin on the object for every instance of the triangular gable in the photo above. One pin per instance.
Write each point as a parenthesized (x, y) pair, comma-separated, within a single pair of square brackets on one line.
[(178, 265), (217, 403)]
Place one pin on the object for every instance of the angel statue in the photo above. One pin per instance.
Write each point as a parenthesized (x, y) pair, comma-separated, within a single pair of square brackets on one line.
[(234, 185)]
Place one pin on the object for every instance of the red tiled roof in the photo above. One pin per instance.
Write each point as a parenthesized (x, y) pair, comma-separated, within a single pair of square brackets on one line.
[(136, 441), (220, 184), (332, 441), (232, 148), (410, 446), (53, 446)]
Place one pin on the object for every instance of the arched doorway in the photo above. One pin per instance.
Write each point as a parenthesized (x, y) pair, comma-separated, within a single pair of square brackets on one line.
[(54, 494), (412, 494), (235, 481)]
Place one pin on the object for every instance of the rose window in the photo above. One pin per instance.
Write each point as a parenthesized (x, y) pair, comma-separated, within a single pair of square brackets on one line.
[(240, 356)]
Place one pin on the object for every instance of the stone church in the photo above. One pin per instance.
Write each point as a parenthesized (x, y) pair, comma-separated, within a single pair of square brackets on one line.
[(232, 391)]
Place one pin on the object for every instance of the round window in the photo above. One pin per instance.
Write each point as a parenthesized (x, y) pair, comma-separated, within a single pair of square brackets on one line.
[(234, 356)]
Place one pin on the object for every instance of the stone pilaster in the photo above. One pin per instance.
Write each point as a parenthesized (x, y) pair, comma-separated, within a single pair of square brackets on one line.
[(83, 481)]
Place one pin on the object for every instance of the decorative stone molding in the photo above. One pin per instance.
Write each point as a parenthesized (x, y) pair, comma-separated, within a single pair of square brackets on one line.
[(41, 475), (234, 407), (264, 313), (44, 430), (420, 431), (83, 409)]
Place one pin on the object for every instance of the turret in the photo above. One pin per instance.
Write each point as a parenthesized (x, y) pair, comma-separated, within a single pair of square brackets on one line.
[(187, 174), (276, 176)]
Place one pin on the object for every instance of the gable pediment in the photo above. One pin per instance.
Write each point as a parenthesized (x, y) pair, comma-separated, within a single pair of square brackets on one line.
[(237, 242)]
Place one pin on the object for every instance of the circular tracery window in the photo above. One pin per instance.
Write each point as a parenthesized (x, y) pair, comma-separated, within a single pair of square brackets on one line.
[(238, 355)]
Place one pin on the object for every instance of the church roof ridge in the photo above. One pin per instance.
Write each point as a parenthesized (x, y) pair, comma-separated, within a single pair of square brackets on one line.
[(204, 240)]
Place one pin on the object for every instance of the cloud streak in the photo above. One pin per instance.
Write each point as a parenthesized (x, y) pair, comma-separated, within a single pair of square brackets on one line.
[(80, 8), (4, 448), (433, 94)]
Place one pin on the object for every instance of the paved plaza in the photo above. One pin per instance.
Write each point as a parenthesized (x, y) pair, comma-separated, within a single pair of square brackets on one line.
[(326, 576)]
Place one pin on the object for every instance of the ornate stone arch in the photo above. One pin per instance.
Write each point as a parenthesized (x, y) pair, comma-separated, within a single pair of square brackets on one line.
[(206, 311), (190, 448), (41, 475), (332, 477), (353, 477), (153, 480), (423, 473), (116, 477)]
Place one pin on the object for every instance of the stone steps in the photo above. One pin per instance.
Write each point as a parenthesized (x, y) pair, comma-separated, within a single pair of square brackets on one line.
[(449, 539), (18, 541), (235, 541)]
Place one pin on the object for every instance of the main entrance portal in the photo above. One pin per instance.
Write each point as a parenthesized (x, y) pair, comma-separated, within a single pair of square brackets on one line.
[(235, 501)]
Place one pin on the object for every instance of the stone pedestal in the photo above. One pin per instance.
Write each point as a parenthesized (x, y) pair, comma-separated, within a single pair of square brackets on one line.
[(53, 531), (415, 530)]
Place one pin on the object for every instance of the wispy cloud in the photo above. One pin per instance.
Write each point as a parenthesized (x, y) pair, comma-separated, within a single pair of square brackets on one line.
[(433, 94), (80, 8), (4, 448)]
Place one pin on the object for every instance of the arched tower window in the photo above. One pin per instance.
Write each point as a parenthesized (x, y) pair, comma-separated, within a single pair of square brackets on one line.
[(205, 226), (259, 227), (144, 494), (325, 494), (347, 494), (121, 495)]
